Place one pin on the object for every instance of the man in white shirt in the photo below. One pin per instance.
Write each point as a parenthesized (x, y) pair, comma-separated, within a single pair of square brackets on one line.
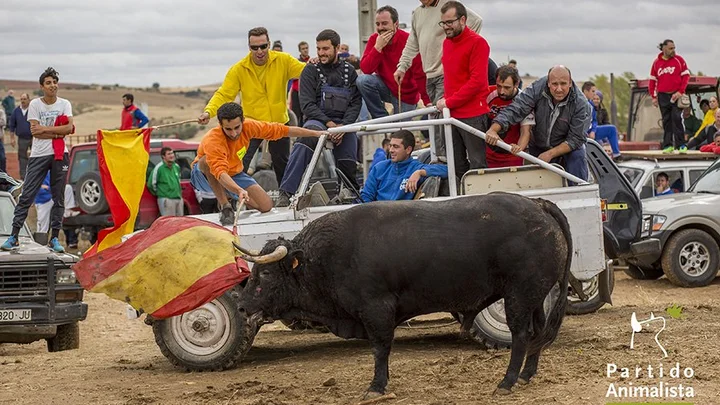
[(50, 120)]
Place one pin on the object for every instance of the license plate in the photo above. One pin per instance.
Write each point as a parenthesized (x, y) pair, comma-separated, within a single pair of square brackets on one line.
[(15, 315)]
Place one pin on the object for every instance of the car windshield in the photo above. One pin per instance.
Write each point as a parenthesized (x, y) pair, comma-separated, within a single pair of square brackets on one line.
[(632, 174), (7, 210), (709, 182)]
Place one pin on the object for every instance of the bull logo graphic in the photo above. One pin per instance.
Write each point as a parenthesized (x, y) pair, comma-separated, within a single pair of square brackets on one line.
[(638, 325)]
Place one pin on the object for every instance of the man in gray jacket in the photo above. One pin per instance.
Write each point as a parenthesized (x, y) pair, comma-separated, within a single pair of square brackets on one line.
[(562, 116)]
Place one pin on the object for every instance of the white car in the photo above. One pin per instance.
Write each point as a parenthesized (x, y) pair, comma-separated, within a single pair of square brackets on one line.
[(642, 167)]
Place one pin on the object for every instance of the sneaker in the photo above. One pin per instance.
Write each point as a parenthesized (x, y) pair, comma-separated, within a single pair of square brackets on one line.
[(669, 149), (11, 243), (618, 158), (55, 245), (283, 199), (227, 215), (683, 149)]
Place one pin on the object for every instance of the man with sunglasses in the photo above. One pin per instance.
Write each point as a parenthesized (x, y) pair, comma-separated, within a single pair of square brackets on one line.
[(262, 77), (426, 38)]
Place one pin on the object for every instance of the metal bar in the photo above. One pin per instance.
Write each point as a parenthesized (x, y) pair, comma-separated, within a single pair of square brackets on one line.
[(311, 167), (389, 125), (524, 155), (398, 117), (450, 152), (431, 134), (387, 131)]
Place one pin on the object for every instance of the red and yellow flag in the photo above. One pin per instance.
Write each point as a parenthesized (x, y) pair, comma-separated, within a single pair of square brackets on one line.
[(123, 159), (175, 266)]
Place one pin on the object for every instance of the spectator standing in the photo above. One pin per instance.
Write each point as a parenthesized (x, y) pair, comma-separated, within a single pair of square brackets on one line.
[(20, 127), (669, 76), (131, 116), (164, 182)]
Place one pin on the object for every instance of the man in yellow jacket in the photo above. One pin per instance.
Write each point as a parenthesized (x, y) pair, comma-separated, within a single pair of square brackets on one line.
[(262, 78)]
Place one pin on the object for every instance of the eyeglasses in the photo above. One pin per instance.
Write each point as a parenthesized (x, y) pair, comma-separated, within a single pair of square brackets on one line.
[(447, 23), (259, 47)]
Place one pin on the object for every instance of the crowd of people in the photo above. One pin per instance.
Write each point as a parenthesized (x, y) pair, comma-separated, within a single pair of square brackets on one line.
[(443, 61)]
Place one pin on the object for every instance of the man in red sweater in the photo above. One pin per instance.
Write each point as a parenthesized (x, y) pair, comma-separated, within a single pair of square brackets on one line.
[(382, 55), (669, 76), (465, 62)]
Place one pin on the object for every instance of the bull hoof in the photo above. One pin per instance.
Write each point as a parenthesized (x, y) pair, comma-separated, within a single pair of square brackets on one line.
[(372, 395), (502, 391), (523, 381)]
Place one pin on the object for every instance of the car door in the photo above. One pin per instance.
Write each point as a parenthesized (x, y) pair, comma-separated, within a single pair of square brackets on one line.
[(623, 208)]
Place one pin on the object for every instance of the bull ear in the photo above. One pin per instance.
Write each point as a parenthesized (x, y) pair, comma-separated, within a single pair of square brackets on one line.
[(297, 257)]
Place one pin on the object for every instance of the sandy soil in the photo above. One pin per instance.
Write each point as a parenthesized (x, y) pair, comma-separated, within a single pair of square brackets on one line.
[(119, 363)]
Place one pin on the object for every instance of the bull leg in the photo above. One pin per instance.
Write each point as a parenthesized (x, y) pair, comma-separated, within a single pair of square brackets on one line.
[(531, 363), (380, 326), (518, 320)]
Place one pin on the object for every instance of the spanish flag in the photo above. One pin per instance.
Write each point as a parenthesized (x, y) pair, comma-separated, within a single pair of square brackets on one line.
[(123, 158), (176, 265)]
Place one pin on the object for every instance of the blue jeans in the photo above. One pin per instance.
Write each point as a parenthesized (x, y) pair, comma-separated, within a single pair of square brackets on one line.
[(610, 133), (200, 182), (301, 155), (375, 94), (574, 162)]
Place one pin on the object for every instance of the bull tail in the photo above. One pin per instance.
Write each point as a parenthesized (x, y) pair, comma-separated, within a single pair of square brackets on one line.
[(555, 318)]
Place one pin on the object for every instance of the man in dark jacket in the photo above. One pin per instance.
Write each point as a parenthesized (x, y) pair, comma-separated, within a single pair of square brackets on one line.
[(562, 116), (329, 98), (20, 127)]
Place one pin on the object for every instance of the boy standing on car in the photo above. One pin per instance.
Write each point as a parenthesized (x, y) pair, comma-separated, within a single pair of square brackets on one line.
[(50, 120), (164, 182)]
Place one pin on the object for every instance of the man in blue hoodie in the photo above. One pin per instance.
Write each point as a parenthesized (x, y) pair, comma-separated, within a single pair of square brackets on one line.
[(399, 177)]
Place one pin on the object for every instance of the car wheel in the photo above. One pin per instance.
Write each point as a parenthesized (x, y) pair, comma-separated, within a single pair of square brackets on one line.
[(90, 194), (67, 337), (215, 336), (591, 288), (690, 258), (640, 273)]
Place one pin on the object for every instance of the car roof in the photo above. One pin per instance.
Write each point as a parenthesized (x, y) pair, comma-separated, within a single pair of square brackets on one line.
[(664, 164), (155, 144)]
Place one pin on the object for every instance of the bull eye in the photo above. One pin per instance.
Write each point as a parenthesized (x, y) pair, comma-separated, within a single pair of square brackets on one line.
[(265, 273)]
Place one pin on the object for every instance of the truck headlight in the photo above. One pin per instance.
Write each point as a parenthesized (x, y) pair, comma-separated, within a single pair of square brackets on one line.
[(646, 224), (65, 276), (657, 222)]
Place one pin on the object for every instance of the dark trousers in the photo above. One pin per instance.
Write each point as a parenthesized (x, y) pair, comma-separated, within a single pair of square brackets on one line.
[(574, 162), (345, 158), (295, 101), (468, 149), (24, 145), (37, 169), (279, 152), (672, 121), (3, 159)]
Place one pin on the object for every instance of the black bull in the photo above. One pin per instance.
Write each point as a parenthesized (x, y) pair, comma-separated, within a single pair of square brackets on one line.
[(363, 271)]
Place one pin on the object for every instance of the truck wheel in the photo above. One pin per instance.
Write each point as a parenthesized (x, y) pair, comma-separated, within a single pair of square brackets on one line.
[(639, 273), (90, 194), (591, 289), (690, 258), (215, 336), (490, 327), (66, 338)]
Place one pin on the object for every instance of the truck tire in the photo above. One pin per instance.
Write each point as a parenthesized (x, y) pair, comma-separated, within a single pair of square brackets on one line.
[(639, 273), (490, 327), (215, 336), (66, 338), (690, 258), (591, 288), (90, 195)]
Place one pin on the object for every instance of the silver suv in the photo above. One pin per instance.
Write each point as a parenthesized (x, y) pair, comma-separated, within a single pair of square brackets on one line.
[(688, 226)]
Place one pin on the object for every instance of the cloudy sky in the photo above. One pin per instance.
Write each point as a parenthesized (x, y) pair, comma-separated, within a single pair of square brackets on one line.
[(192, 42)]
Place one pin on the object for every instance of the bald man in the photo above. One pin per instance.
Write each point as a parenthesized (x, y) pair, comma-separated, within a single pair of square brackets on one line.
[(562, 116)]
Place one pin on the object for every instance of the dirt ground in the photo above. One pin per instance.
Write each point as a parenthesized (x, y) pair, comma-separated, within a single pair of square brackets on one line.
[(119, 363)]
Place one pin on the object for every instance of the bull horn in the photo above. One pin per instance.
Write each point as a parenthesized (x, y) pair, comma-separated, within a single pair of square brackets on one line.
[(279, 253), (246, 251)]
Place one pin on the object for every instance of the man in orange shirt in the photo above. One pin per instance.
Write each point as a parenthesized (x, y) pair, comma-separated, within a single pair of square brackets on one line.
[(218, 166)]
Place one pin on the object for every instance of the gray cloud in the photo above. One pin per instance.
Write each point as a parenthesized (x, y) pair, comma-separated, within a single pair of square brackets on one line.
[(187, 42)]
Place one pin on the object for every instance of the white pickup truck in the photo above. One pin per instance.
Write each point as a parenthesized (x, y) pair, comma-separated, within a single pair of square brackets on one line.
[(605, 217)]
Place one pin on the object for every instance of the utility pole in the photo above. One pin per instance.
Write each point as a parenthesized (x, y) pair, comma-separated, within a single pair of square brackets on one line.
[(613, 104), (366, 21)]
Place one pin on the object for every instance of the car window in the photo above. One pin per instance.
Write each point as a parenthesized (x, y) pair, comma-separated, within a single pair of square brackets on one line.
[(694, 175), (7, 210), (83, 161), (709, 182), (675, 180), (633, 175), (183, 158)]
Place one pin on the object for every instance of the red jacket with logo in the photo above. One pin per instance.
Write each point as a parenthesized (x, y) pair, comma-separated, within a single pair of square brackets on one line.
[(668, 76)]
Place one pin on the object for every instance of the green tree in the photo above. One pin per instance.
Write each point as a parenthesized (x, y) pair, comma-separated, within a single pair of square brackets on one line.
[(622, 95), (156, 86)]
